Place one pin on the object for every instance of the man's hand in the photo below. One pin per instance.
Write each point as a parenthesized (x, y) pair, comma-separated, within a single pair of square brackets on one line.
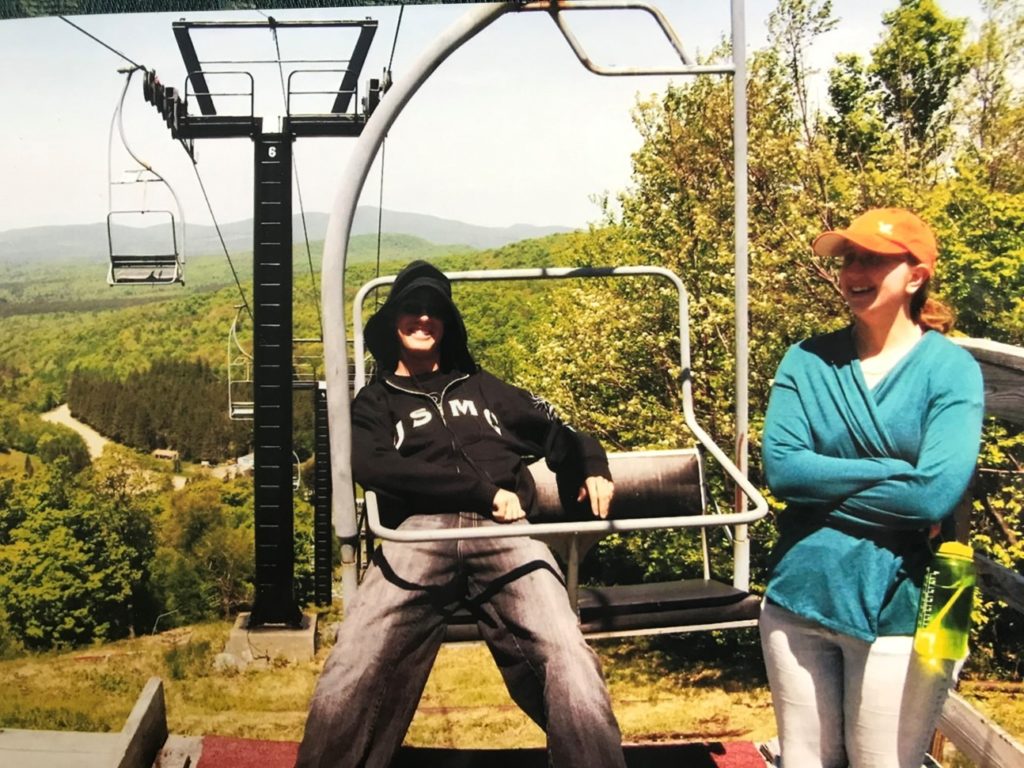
[(600, 491), (506, 507)]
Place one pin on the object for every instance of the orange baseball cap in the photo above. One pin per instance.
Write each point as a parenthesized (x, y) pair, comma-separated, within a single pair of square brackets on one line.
[(886, 231)]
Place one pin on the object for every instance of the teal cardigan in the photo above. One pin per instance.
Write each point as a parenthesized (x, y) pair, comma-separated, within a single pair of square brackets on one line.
[(865, 473)]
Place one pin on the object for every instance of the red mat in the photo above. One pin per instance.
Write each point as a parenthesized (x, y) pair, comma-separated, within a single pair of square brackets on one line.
[(223, 752)]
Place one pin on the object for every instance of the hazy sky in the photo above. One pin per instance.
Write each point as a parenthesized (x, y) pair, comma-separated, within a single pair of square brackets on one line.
[(511, 129)]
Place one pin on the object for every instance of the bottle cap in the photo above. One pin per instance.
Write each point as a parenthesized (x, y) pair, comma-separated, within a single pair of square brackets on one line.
[(956, 549)]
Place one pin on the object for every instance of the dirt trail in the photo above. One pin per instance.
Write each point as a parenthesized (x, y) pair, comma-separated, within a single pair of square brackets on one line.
[(94, 441)]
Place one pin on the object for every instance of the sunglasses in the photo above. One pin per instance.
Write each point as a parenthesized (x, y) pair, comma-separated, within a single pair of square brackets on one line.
[(423, 307), (872, 260)]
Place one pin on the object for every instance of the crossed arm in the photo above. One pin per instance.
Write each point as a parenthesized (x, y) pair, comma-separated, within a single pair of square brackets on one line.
[(876, 490)]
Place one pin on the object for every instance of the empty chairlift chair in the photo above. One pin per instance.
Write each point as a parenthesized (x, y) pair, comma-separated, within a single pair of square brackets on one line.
[(662, 489), (241, 402), (144, 243), (143, 256)]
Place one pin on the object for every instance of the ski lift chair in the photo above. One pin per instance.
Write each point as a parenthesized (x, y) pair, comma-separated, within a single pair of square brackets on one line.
[(143, 263), (663, 489), (138, 254), (241, 403)]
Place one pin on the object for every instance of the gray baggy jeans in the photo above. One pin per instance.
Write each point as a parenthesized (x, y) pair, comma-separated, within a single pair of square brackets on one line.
[(371, 684)]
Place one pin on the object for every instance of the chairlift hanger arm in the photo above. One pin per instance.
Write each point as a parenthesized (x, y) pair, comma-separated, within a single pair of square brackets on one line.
[(340, 226)]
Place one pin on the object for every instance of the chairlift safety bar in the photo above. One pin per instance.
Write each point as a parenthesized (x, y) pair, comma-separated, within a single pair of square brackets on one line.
[(689, 67)]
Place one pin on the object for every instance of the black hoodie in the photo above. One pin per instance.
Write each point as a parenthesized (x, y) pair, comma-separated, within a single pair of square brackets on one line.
[(447, 441)]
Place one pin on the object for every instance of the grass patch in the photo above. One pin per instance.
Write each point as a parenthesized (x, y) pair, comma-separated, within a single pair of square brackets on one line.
[(56, 719), (1003, 704), (670, 688), (193, 659), (12, 463), (657, 693)]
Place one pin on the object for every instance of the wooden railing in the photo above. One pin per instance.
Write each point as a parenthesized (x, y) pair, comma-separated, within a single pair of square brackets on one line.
[(972, 733)]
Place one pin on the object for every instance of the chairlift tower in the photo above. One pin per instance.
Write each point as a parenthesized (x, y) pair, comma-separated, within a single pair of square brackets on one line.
[(272, 363)]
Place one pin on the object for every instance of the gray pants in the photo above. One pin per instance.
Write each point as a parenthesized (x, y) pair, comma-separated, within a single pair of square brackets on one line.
[(370, 686)]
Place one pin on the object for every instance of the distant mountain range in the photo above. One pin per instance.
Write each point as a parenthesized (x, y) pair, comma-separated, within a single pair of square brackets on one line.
[(88, 242)]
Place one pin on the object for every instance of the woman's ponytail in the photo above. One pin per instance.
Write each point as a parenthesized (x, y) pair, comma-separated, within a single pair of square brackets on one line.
[(931, 313)]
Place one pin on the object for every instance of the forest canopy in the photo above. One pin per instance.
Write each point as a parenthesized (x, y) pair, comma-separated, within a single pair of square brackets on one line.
[(931, 118)]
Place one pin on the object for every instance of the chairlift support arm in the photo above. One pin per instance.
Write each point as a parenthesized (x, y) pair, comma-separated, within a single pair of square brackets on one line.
[(193, 68), (349, 81), (343, 506)]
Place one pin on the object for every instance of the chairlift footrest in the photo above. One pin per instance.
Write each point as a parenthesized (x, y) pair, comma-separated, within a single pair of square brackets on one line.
[(645, 608), (662, 605)]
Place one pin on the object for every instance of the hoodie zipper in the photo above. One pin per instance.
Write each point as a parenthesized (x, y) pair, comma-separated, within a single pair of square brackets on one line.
[(439, 405)]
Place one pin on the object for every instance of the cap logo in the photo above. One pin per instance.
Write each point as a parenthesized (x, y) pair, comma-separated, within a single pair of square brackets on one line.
[(885, 228)]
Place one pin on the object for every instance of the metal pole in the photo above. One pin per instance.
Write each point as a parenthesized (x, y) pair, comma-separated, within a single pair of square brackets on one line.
[(741, 546), (343, 508)]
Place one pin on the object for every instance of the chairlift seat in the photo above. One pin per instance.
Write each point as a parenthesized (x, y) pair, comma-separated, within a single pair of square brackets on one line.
[(667, 606), (133, 267), (141, 269), (241, 410), (647, 484), (685, 605), (653, 490)]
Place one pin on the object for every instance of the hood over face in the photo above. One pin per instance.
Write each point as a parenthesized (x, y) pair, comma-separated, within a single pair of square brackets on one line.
[(382, 338)]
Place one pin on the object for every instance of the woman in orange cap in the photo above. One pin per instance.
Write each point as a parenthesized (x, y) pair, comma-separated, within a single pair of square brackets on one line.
[(871, 438)]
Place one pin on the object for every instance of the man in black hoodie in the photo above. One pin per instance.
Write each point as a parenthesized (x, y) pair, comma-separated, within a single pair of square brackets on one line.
[(444, 444)]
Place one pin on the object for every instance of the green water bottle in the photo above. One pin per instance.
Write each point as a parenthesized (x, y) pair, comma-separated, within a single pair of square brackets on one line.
[(947, 595)]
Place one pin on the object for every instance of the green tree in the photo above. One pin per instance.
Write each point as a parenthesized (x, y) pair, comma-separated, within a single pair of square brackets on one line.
[(857, 125), (917, 66), (71, 570), (60, 442), (792, 27), (204, 565), (982, 266), (10, 645), (994, 106)]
